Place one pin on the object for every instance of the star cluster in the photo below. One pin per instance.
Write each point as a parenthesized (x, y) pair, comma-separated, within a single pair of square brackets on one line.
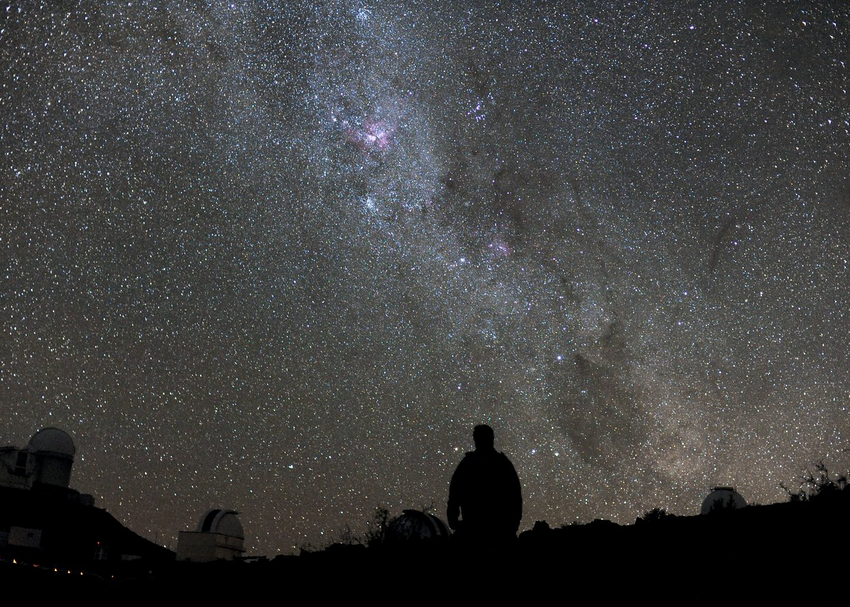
[(281, 257)]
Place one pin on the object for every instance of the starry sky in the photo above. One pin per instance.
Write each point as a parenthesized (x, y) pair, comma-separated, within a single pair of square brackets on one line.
[(282, 256)]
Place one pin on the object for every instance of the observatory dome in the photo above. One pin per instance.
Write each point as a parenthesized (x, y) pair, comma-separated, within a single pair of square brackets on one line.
[(52, 440), (416, 525), (225, 522), (722, 498)]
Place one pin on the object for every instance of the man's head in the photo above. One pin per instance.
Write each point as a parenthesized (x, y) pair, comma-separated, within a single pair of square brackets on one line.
[(483, 437)]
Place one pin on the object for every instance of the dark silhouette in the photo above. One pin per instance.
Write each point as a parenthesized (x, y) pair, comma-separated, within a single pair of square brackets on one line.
[(486, 493)]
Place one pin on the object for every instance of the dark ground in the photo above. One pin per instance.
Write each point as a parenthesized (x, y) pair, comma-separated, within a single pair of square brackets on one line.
[(763, 550)]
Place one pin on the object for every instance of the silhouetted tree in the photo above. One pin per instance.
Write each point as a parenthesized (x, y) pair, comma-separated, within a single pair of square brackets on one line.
[(377, 532), (818, 484), (655, 515)]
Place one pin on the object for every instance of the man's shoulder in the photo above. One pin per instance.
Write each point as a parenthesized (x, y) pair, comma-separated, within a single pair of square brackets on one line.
[(506, 461), (485, 459), (468, 460)]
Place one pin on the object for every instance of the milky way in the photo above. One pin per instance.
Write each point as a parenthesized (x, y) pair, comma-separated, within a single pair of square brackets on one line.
[(281, 257)]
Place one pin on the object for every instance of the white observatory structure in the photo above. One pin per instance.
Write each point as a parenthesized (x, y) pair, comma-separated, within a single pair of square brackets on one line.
[(219, 536), (45, 462)]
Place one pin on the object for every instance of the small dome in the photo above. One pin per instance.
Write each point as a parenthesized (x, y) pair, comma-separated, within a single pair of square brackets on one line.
[(722, 498), (416, 525), (221, 521), (53, 440)]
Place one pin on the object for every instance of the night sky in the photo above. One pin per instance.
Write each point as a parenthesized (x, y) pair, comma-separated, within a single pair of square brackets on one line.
[(282, 256)]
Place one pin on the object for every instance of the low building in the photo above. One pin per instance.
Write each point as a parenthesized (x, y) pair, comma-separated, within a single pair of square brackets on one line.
[(45, 462), (219, 536), (43, 520)]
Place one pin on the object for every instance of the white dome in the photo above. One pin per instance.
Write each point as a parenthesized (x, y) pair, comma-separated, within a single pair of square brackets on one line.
[(53, 440), (217, 520)]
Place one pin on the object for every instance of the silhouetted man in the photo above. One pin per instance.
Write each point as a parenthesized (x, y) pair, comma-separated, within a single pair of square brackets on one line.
[(485, 491)]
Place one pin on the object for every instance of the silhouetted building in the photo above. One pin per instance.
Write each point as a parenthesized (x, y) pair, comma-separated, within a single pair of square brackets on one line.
[(43, 520), (46, 460), (219, 536), (416, 525), (722, 498)]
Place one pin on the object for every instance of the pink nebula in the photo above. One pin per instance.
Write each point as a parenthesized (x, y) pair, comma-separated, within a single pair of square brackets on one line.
[(375, 135)]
